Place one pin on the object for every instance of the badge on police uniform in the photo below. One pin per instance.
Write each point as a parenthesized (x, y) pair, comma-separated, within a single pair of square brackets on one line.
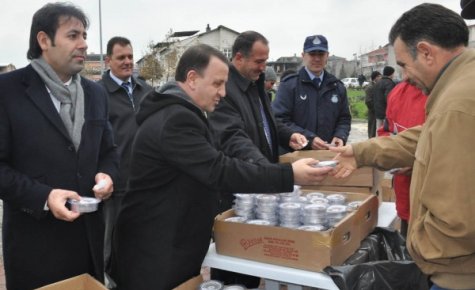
[(334, 99)]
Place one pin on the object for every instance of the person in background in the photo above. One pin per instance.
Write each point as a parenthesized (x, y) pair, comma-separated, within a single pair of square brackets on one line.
[(56, 144), (270, 79), (165, 223), (430, 44), (244, 125), (406, 109), (125, 94), (381, 91), (313, 102), (286, 73), (468, 9), (369, 101), (361, 80)]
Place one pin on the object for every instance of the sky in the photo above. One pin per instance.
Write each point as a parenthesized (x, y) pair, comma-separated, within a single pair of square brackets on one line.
[(351, 26)]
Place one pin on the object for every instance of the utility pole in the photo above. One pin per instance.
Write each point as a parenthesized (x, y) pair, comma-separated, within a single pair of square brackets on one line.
[(100, 39)]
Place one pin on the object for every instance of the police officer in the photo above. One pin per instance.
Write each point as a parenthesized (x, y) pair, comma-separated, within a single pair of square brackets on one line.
[(312, 101)]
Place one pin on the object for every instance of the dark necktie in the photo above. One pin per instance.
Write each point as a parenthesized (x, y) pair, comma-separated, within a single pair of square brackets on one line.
[(316, 82), (265, 122), (126, 86)]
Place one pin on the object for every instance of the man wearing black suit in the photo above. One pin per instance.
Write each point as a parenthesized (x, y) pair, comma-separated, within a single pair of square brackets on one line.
[(55, 144)]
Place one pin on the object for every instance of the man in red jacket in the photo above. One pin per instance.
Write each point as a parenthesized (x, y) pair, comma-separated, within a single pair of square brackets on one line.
[(406, 108)]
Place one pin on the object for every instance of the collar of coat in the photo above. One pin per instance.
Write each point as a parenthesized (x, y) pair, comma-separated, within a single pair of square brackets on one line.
[(244, 83)]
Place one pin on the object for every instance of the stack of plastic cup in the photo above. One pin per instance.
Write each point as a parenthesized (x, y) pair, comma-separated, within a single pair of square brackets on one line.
[(289, 214), (319, 200), (266, 207), (336, 198), (315, 194), (354, 205), (244, 205), (335, 213), (293, 196), (314, 214)]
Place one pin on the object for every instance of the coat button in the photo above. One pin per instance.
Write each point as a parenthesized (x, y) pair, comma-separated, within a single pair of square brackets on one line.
[(71, 147)]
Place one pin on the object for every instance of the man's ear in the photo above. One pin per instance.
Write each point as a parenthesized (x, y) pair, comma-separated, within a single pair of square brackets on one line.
[(191, 77), (43, 40), (238, 57), (426, 51)]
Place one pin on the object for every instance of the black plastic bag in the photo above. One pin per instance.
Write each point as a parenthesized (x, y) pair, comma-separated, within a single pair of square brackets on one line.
[(382, 262)]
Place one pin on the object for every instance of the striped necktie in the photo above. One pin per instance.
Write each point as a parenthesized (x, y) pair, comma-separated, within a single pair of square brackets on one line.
[(265, 122), (126, 86)]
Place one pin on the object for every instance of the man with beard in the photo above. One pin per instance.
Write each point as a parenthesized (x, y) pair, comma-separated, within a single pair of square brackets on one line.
[(430, 43)]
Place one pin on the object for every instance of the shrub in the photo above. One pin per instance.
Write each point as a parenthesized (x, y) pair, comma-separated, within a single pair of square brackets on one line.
[(358, 107)]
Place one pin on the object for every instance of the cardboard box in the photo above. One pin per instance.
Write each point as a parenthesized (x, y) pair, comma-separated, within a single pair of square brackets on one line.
[(191, 284), (387, 188), (296, 248), (81, 282), (87, 282)]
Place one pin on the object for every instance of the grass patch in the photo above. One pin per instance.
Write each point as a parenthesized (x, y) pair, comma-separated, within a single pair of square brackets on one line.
[(357, 105)]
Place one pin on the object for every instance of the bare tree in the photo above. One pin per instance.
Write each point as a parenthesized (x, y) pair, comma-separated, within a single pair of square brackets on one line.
[(170, 55), (151, 69)]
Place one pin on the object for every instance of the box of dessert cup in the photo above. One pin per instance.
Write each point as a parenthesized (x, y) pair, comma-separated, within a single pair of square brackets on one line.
[(313, 242)]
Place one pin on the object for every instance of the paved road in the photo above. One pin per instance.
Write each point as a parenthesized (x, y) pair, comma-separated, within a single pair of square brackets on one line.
[(358, 133)]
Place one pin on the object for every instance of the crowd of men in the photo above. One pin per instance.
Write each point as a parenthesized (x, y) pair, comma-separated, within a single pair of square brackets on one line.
[(165, 161)]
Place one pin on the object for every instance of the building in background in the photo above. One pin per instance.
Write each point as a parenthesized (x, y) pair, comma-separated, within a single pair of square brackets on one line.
[(170, 50), (6, 67), (222, 38), (285, 63), (92, 66)]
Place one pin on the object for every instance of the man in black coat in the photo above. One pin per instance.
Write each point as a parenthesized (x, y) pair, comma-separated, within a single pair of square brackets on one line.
[(125, 94), (164, 226), (369, 101), (55, 144), (380, 92), (244, 124)]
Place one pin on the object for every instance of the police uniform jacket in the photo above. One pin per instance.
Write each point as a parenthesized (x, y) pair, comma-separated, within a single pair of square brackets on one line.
[(312, 111)]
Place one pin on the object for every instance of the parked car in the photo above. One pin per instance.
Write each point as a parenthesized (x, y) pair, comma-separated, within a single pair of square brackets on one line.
[(353, 83)]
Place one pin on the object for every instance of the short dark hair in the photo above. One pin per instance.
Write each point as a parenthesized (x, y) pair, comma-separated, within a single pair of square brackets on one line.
[(196, 58), (47, 20), (388, 71), (122, 41), (430, 22), (375, 74), (245, 41)]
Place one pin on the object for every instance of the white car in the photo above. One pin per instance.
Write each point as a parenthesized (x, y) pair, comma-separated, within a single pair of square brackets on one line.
[(353, 83)]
